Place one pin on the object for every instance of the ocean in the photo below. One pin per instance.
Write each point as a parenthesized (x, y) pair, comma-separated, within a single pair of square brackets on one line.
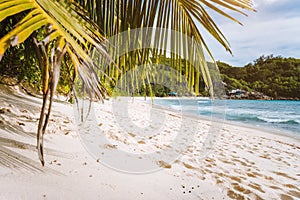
[(282, 116)]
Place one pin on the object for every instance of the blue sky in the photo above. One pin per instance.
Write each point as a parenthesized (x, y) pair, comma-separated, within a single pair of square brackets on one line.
[(273, 29)]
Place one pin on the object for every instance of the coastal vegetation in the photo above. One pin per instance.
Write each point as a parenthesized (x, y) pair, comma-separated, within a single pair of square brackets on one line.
[(45, 40), (266, 77), (276, 77)]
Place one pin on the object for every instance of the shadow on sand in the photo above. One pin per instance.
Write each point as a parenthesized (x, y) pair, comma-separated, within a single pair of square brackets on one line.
[(18, 112)]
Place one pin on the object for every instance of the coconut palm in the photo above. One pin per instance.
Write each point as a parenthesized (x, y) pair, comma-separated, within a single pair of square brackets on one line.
[(57, 27), (78, 27)]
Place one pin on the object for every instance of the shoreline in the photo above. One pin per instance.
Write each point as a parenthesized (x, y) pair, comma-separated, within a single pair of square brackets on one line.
[(264, 128), (208, 98)]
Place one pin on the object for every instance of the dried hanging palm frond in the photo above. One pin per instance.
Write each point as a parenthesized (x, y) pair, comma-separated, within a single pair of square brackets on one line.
[(70, 30)]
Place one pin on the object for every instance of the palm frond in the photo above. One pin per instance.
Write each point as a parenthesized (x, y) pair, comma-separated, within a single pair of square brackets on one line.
[(68, 30), (66, 19), (182, 16)]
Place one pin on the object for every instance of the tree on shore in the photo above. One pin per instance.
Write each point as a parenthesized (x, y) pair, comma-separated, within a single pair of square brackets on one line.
[(65, 32), (276, 77)]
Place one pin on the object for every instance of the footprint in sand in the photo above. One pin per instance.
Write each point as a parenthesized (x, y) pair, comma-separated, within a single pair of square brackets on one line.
[(110, 146), (285, 197), (131, 134), (163, 164), (284, 175), (294, 193), (256, 187), (233, 195), (188, 166)]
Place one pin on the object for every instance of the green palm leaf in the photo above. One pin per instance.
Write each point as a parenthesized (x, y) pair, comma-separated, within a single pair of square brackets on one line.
[(183, 16), (78, 32), (69, 30)]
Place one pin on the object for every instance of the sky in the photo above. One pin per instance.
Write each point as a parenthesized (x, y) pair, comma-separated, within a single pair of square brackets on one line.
[(273, 29)]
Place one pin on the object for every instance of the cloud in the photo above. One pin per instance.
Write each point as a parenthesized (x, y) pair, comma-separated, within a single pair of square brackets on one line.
[(274, 29)]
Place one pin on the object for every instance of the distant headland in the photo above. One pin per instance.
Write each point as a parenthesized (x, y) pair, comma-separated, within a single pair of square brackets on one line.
[(267, 77)]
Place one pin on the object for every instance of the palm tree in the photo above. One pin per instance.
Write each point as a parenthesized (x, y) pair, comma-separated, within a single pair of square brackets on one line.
[(78, 27), (54, 35), (183, 16)]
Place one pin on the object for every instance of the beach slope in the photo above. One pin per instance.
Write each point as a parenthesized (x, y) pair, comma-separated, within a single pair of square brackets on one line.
[(245, 163)]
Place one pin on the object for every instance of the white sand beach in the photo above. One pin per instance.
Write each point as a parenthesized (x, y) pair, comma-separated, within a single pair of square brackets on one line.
[(245, 163)]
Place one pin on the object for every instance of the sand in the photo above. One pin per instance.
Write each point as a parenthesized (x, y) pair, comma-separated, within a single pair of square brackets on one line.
[(245, 162)]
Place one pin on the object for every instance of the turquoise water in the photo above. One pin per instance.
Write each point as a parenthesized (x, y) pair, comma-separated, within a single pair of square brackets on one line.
[(280, 115)]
